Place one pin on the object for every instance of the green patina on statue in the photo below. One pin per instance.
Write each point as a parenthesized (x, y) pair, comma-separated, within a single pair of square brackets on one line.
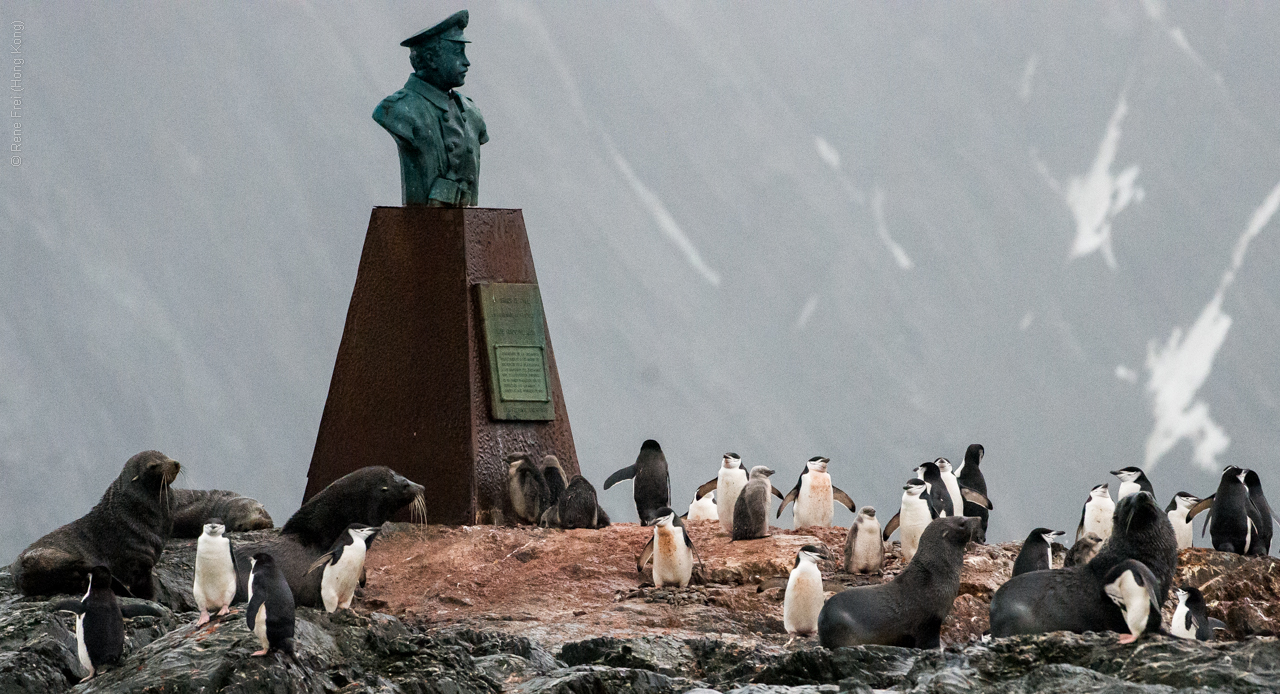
[(437, 130)]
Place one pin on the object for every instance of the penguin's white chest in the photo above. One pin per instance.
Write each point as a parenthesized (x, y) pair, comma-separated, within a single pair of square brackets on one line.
[(260, 627), (1178, 626), (729, 486), (953, 490), (1127, 488), (215, 580), (704, 509), (672, 559), (914, 517), (1097, 517), (803, 604), (1182, 529), (82, 651), (813, 505), (338, 585), (868, 548)]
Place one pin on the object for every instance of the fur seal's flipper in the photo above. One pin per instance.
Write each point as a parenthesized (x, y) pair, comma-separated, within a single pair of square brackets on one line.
[(839, 495), (625, 473), (706, 489), (67, 605), (771, 583), (892, 525), (976, 497)]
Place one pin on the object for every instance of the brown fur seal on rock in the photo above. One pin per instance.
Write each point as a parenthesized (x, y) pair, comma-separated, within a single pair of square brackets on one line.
[(370, 495), (192, 508), (125, 532)]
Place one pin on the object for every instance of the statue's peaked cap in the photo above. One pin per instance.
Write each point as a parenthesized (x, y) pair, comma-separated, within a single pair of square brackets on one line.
[(448, 30)]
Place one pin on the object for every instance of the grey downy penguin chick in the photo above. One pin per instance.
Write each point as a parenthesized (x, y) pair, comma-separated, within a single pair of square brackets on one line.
[(863, 547), (215, 580), (815, 496), (557, 481), (671, 550), (1095, 515), (909, 610), (727, 485), (751, 511), (578, 507), (1083, 551), (343, 565), (650, 484), (1037, 551), (1132, 481), (1132, 587), (1178, 509), (805, 596), (270, 614), (912, 518), (1191, 618), (527, 488), (99, 623)]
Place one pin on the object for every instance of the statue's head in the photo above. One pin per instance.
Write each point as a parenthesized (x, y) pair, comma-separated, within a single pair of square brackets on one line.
[(438, 54)]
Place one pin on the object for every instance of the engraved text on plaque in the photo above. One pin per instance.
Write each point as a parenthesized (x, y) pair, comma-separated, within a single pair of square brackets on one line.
[(516, 346)]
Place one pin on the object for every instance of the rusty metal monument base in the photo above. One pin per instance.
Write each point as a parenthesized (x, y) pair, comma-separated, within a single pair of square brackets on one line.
[(413, 378)]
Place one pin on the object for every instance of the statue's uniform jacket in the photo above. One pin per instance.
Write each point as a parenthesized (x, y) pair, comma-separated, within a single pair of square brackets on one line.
[(439, 137)]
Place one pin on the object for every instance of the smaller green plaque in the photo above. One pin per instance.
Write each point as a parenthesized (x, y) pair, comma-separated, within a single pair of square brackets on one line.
[(516, 348)]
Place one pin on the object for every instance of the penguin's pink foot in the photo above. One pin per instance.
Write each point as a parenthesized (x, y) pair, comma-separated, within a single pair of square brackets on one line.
[(204, 618), (1128, 638), (258, 653)]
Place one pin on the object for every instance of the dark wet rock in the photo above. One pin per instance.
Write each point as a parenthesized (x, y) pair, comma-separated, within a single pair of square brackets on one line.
[(879, 667), (656, 654), (1242, 591), (596, 679)]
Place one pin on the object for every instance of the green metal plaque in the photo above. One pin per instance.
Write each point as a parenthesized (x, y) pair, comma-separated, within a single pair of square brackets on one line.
[(516, 347)]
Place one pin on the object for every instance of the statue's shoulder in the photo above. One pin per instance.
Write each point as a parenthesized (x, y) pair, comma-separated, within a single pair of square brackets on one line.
[(399, 112)]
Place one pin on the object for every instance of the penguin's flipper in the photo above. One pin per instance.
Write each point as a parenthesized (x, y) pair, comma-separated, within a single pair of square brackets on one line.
[(625, 473), (706, 489), (67, 605), (1204, 504), (976, 497), (141, 609), (776, 492), (892, 526), (839, 495), (645, 555), (1217, 624), (1080, 528), (325, 559), (770, 583), (1152, 587), (786, 500), (1208, 521), (255, 603)]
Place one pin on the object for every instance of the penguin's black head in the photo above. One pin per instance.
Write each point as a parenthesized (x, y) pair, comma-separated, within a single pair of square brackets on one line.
[(1252, 481), (263, 559), (1129, 474), (973, 455), (100, 578), (357, 531), (665, 517), (813, 553), (214, 527), (1232, 471), (650, 445), (1135, 512), (867, 511)]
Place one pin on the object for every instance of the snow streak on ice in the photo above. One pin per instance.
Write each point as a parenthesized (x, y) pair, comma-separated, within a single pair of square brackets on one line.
[(1098, 196), (1182, 365), (665, 221), (877, 210)]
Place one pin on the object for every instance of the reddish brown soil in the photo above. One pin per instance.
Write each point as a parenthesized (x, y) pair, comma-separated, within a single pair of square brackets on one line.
[(558, 586)]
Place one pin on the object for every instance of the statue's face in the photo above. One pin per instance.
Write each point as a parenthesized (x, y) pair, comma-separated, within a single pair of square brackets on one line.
[(450, 65)]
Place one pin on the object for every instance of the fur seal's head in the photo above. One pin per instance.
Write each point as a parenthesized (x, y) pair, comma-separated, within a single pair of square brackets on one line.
[(151, 471), (955, 531), (248, 514), (370, 495), (1134, 513)]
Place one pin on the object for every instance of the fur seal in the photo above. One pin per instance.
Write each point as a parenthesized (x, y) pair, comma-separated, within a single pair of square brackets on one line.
[(969, 475), (192, 509), (671, 549), (751, 510), (1131, 586), (1037, 551), (577, 507), (805, 596), (99, 623), (526, 488), (270, 613), (727, 485), (343, 565), (815, 496), (1074, 599), (369, 496), (863, 547), (1083, 551), (909, 610), (650, 485), (124, 532), (1191, 618), (215, 581)]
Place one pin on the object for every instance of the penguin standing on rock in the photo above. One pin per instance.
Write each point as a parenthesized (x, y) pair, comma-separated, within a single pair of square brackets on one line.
[(1037, 551), (913, 517), (1132, 481), (650, 485), (1133, 588), (751, 511), (215, 581), (805, 596), (1264, 513), (969, 475), (671, 549), (863, 547), (1233, 519), (1191, 618), (1095, 516), (343, 566), (1178, 509), (99, 624), (935, 489), (814, 496), (727, 485), (270, 612)]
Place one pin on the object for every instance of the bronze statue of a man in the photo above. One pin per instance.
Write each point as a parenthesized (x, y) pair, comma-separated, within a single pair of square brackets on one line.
[(437, 130)]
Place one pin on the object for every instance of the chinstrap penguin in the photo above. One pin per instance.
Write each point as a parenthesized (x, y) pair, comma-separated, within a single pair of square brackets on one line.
[(1095, 516), (215, 581), (751, 511), (703, 508), (343, 565), (969, 475), (863, 547), (650, 485), (1037, 551), (671, 549), (1132, 587), (270, 612), (815, 496), (935, 488), (805, 596), (99, 623), (952, 485), (1264, 513), (1179, 506), (1233, 519), (727, 485), (912, 517), (1132, 481), (1191, 618)]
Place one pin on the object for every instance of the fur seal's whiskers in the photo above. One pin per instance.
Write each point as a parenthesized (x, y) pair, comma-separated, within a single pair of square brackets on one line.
[(418, 510)]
